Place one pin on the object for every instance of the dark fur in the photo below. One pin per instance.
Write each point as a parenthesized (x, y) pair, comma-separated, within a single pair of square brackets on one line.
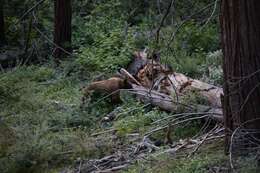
[(138, 63), (109, 86)]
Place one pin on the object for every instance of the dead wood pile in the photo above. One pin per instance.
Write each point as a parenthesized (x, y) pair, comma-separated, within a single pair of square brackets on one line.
[(157, 84)]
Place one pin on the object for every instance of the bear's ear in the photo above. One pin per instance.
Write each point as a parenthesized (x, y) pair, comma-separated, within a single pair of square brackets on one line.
[(140, 54), (119, 75), (136, 55)]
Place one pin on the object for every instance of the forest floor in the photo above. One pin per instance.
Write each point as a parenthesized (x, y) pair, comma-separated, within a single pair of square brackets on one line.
[(43, 128)]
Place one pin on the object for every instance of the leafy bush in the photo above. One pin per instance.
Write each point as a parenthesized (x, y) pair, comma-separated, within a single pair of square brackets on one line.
[(105, 45), (188, 64), (106, 54), (212, 68), (188, 51), (193, 38), (136, 117)]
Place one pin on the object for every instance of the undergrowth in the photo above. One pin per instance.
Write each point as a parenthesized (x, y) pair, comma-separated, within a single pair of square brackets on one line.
[(209, 158), (40, 109), (43, 128)]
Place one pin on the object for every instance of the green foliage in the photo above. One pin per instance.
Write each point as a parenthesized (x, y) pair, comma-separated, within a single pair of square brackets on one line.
[(194, 38), (41, 109), (193, 97), (188, 51), (134, 121), (108, 43), (189, 64), (107, 54), (212, 69)]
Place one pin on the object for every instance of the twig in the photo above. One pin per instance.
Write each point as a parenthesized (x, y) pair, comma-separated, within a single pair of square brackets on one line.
[(127, 74), (177, 115), (108, 95), (199, 144), (173, 150), (232, 139), (116, 168), (204, 127), (80, 164), (162, 21), (127, 112), (29, 11), (159, 7), (147, 143), (180, 122), (56, 46), (186, 20), (213, 12)]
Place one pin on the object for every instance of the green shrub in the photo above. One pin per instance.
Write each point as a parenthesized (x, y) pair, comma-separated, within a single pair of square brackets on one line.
[(192, 38), (212, 68), (106, 42), (106, 54)]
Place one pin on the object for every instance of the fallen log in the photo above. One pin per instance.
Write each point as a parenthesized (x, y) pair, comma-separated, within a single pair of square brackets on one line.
[(160, 86), (167, 103), (156, 76), (210, 92)]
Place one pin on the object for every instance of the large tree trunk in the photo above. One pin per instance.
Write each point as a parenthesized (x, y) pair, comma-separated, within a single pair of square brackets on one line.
[(62, 35), (240, 25), (2, 24)]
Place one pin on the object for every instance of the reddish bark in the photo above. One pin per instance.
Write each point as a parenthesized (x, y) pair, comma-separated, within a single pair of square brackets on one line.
[(240, 26)]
